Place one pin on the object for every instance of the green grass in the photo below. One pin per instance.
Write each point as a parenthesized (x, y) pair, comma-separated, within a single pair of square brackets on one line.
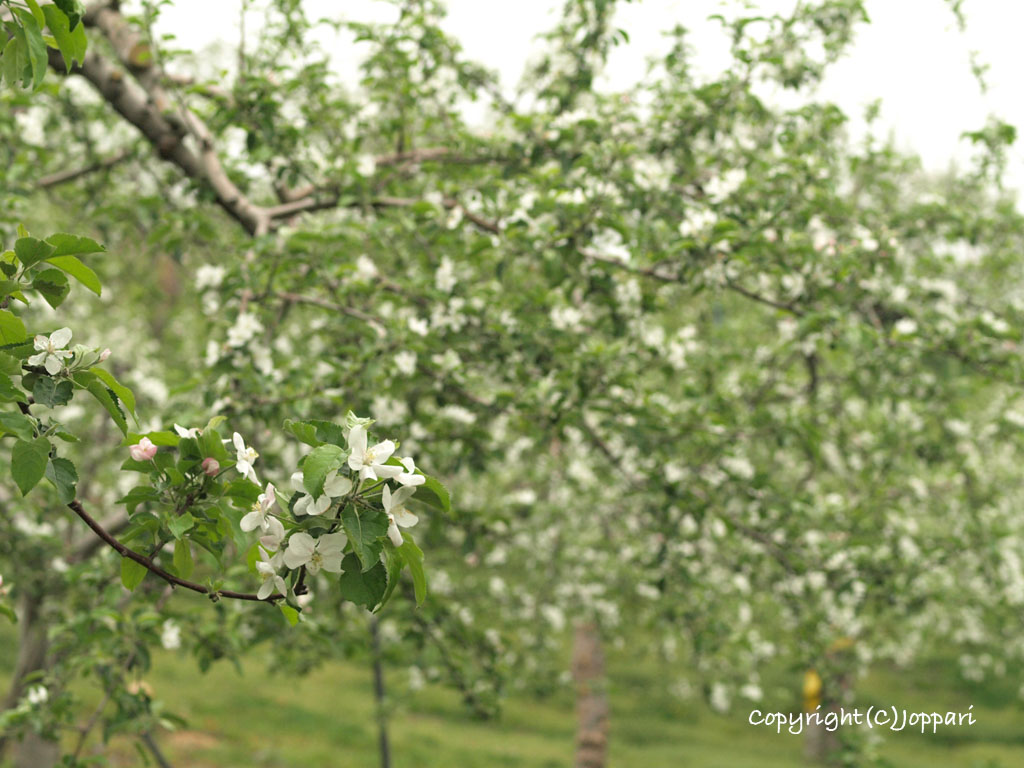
[(327, 719)]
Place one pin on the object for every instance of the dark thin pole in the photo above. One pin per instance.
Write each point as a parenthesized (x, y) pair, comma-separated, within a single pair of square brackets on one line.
[(378, 693)]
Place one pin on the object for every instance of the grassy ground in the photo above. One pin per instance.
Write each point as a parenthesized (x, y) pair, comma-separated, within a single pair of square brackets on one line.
[(327, 719)]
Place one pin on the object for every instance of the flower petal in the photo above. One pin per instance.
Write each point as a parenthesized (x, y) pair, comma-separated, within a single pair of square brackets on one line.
[(60, 337)]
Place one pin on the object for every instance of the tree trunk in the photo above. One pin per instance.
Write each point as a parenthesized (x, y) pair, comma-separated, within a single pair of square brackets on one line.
[(32, 751), (591, 698), (379, 695)]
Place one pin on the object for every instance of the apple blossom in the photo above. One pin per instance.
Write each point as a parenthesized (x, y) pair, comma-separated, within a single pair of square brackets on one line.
[(271, 540), (170, 635), (409, 477), (398, 515), (51, 351), (37, 695), (245, 458), (369, 462), (211, 466), (144, 450), (260, 514), (334, 488), (325, 552), (183, 432), (268, 568)]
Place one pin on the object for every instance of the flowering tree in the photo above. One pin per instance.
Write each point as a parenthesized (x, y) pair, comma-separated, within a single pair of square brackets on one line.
[(689, 361)]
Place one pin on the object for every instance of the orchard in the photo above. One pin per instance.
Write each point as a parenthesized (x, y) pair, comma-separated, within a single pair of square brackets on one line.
[(305, 372)]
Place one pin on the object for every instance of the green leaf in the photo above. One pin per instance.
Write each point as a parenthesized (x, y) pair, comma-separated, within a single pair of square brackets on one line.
[(183, 562), (119, 389), (179, 525), (36, 48), (364, 529), (413, 555), (77, 270), (31, 250), (73, 9), (28, 463), (15, 63), (140, 494), (64, 477), (162, 437), (71, 46), (37, 12), (435, 494), (394, 562), (132, 573), (361, 587), (12, 330), (49, 392), (6, 610), (106, 397), (17, 424), (328, 432), (8, 392), (318, 463), (303, 431), (52, 284), (73, 245), (290, 614), (9, 365)]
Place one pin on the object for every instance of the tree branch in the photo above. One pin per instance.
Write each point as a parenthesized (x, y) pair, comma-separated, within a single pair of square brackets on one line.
[(148, 564)]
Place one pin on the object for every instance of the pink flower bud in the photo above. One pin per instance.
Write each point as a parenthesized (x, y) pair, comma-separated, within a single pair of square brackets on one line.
[(144, 451), (211, 466), (104, 354)]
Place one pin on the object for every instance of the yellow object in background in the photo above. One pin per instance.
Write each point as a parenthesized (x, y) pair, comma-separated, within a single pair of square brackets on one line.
[(812, 690)]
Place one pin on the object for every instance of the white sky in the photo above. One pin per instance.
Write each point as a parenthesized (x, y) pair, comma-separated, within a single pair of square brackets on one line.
[(912, 56)]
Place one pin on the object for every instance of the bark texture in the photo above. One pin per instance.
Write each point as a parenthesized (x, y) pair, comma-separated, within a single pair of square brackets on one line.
[(591, 698)]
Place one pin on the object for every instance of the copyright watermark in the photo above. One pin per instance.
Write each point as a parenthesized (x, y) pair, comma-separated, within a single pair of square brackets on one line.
[(893, 718)]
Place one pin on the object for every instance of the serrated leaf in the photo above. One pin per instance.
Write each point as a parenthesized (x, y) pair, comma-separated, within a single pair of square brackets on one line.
[(118, 388), (9, 365), (361, 587), (73, 9), (140, 494), (393, 564), (36, 48), (413, 556), (318, 463), (52, 285), (28, 463), (303, 431), (79, 271), (64, 476), (32, 250), (73, 245), (365, 528), (8, 392), (104, 396), (132, 573), (183, 562), (433, 492), (12, 329), (71, 46), (180, 524), (17, 424), (6, 610), (290, 614), (50, 393)]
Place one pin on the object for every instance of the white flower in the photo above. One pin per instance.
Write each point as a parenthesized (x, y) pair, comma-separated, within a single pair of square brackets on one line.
[(409, 477), (366, 270), (208, 276), (51, 353), (170, 636), (37, 694), (267, 568), (419, 326), (245, 328), (334, 488), (183, 432), (444, 277), (405, 361), (272, 539), (325, 552), (369, 462), (366, 165), (398, 515), (905, 326), (260, 516), (245, 458)]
